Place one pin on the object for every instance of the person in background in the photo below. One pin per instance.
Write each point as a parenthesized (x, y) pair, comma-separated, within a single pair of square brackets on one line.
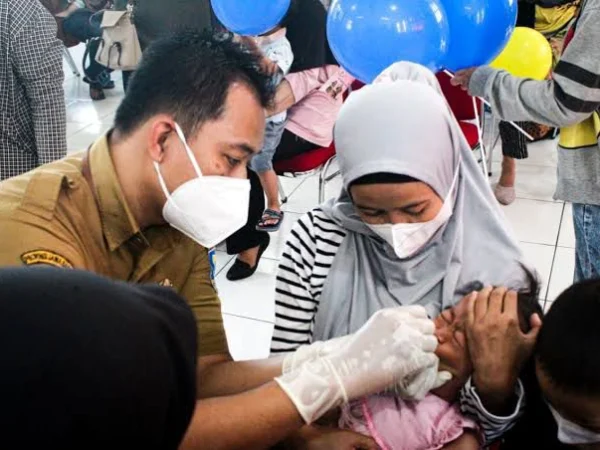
[(157, 18), (312, 94), (514, 143), (552, 18), (278, 57), (569, 100), (33, 129), (82, 20), (91, 363)]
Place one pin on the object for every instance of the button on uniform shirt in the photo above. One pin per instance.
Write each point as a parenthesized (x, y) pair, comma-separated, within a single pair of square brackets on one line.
[(32, 103), (51, 216)]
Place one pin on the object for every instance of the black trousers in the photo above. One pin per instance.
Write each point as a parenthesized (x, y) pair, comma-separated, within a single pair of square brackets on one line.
[(248, 237), (514, 143)]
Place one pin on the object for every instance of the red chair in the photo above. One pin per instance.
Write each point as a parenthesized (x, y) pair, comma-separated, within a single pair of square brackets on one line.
[(466, 109), (317, 160)]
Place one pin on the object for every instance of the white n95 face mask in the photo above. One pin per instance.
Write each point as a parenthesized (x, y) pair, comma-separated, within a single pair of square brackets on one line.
[(206, 209), (570, 433), (408, 238)]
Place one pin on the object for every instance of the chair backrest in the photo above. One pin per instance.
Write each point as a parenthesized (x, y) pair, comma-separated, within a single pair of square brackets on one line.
[(460, 101)]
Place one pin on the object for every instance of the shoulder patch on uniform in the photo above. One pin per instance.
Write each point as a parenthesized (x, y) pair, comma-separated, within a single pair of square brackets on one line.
[(45, 257)]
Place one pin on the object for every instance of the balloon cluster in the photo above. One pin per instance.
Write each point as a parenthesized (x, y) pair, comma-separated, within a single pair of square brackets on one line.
[(366, 36)]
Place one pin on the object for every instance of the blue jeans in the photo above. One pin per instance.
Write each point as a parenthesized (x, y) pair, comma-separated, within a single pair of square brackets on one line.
[(587, 236)]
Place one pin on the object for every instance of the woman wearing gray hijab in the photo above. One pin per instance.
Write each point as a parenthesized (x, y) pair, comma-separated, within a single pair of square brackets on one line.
[(416, 224)]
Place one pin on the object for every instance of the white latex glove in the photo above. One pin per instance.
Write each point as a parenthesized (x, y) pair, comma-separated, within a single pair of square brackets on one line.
[(311, 352), (394, 348)]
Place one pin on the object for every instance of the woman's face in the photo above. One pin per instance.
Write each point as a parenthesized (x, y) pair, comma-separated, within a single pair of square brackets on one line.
[(452, 350), (392, 203)]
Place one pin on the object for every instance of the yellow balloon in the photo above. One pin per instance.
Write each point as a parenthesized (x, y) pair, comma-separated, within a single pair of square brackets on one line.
[(528, 54)]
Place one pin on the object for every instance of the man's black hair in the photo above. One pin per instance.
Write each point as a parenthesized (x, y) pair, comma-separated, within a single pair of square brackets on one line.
[(188, 75), (568, 346)]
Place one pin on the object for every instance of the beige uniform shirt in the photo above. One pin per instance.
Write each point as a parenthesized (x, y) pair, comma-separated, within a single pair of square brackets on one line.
[(51, 216)]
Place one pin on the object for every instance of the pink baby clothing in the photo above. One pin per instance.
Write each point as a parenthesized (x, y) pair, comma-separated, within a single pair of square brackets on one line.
[(396, 424), (319, 95)]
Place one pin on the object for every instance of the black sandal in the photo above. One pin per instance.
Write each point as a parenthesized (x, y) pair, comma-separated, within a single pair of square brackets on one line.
[(270, 215), (240, 270)]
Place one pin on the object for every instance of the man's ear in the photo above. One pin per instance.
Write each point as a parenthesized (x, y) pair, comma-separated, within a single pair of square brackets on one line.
[(160, 129)]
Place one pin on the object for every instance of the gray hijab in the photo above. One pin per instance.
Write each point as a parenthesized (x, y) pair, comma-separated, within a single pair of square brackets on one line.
[(406, 127)]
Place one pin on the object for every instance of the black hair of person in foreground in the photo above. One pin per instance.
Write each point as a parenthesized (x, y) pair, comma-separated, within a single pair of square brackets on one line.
[(565, 371), (88, 363)]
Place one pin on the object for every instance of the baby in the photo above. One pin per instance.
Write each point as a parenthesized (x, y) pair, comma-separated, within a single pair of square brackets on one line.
[(435, 422)]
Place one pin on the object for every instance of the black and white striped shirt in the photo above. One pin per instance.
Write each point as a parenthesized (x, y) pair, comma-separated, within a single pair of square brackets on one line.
[(307, 258), (32, 103)]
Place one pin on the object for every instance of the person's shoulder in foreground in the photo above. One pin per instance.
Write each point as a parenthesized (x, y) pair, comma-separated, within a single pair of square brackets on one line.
[(568, 364)]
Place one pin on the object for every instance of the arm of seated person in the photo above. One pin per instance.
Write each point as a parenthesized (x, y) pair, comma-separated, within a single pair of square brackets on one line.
[(494, 396), (467, 441), (493, 424), (284, 99)]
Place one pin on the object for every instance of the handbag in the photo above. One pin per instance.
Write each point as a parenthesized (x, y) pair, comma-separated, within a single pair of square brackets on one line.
[(119, 47)]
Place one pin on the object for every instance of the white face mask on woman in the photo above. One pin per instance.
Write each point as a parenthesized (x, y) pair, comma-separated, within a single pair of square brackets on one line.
[(570, 433), (408, 238), (206, 209)]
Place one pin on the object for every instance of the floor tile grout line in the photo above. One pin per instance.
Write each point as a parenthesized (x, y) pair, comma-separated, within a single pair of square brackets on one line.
[(254, 319), (562, 215)]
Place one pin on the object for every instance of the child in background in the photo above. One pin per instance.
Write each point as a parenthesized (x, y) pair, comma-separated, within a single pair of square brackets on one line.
[(435, 422), (278, 59)]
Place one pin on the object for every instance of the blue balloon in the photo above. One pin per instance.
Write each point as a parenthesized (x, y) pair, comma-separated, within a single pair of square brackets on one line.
[(479, 30), (250, 17), (367, 36)]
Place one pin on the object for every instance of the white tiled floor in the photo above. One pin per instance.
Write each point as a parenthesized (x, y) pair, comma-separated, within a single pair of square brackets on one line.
[(543, 225)]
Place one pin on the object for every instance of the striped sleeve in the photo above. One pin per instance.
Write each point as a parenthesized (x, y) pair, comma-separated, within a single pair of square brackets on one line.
[(570, 97), (308, 255), (492, 426)]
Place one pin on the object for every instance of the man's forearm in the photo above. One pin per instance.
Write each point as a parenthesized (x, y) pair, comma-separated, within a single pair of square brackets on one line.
[(257, 419), (232, 377)]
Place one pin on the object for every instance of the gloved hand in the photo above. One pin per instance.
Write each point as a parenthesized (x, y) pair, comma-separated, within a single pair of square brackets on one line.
[(307, 353), (394, 348)]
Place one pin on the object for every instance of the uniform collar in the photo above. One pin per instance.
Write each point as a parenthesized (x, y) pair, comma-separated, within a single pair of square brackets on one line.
[(118, 223)]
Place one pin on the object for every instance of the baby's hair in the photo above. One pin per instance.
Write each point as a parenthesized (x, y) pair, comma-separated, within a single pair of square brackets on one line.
[(528, 302), (567, 347), (528, 298)]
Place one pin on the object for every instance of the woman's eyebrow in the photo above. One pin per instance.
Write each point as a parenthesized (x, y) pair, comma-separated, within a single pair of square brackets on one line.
[(368, 208)]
